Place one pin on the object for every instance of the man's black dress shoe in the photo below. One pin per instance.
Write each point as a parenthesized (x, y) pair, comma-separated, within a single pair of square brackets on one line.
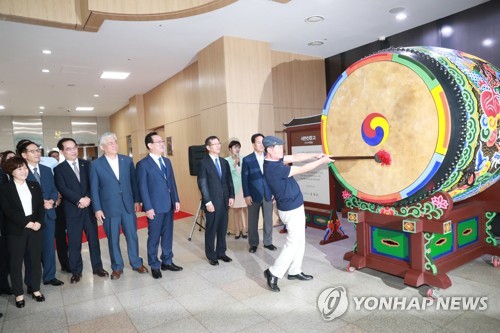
[(270, 247), (1, 315), (101, 272), (156, 273), (171, 267), (6, 291), (272, 281), (20, 304), (225, 258), (252, 249), (213, 262), (39, 298), (53, 282), (75, 278), (301, 277)]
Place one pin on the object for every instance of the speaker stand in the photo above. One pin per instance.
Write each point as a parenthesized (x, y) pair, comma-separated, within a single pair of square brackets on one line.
[(198, 220)]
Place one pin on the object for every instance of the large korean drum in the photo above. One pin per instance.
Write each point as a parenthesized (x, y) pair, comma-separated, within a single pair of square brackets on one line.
[(436, 112)]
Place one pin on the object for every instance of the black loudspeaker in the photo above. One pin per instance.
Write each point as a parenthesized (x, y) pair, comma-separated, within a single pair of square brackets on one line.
[(196, 154)]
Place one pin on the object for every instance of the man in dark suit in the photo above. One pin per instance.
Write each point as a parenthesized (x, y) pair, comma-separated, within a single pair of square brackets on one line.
[(217, 195), (115, 199), (43, 175), (159, 200), (73, 182), (257, 196)]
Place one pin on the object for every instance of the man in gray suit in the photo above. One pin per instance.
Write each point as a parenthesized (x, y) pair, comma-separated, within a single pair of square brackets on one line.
[(115, 199)]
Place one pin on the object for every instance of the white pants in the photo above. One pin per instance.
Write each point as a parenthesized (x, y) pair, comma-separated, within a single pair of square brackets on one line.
[(290, 258)]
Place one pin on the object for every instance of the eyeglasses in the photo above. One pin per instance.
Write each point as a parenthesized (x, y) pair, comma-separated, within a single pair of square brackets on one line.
[(33, 151)]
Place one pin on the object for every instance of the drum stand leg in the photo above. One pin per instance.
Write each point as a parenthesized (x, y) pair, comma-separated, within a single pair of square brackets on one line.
[(198, 220)]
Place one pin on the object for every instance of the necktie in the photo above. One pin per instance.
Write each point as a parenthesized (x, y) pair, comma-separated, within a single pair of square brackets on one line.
[(162, 166), (217, 165), (75, 169), (37, 175)]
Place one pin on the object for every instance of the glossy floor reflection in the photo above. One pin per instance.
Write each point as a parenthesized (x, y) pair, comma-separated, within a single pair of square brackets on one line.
[(233, 297)]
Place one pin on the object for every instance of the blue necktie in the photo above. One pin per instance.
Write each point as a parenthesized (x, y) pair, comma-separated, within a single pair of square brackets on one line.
[(163, 167), (217, 165)]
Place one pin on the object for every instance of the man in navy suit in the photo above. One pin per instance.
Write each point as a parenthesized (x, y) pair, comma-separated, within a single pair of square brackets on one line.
[(217, 195), (257, 196), (115, 199), (73, 182), (43, 175), (159, 200)]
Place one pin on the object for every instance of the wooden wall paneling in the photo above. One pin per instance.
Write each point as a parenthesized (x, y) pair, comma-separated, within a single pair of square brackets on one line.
[(214, 122), (282, 79), (308, 77), (248, 71), (282, 116), (246, 120), (185, 133), (153, 106), (212, 75), (55, 13)]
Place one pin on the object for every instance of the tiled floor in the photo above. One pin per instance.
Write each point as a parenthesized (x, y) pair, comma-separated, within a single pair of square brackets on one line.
[(233, 297)]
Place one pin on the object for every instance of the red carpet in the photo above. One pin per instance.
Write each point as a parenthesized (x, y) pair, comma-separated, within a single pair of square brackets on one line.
[(142, 222)]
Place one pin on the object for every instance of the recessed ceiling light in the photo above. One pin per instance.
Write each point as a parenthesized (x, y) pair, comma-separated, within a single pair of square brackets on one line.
[(46, 51), (41, 112), (114, 75), (2, 107), (45, 70), (84, 108), (396, 10), (314, 19), (42, 107), (401, 16), (96, 95), (488, 42), (316, 43)]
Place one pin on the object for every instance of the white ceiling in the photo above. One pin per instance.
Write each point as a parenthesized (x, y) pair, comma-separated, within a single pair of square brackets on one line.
[(156, 50)]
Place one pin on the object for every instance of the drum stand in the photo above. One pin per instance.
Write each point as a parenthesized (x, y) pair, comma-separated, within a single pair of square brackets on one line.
[(199, 218)]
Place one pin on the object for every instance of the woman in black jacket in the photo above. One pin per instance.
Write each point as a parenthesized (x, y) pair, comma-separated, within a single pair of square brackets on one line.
[(22, 205)]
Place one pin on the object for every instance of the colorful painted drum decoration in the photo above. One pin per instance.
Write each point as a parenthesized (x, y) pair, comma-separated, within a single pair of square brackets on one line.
[(436, 112)]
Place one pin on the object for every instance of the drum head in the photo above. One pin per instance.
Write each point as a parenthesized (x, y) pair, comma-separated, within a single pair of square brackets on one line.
[(385, 104)]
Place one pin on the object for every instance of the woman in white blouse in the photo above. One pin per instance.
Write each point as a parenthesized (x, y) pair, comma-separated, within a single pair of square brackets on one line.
[(22, 205)]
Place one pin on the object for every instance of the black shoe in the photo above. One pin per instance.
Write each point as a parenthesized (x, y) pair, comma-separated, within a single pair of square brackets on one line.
[(20, 304), (54, 282), (272, 281), (301, 277), (39, 298), (6, 291), (29, 290), (75, 278), (156, 273), (1, 315), (225, 258), (101, 272), (244, 236), (252, 249), (237, 236), (213, 262), (271, 247), (171, 267)]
